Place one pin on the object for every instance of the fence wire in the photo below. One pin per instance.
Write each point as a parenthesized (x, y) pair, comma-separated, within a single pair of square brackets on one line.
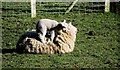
[(24, 8)]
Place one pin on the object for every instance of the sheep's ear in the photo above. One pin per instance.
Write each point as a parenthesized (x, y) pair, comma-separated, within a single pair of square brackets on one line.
[(70, 23), (64, 21)]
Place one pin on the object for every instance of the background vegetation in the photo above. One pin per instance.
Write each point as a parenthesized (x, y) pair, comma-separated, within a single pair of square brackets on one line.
[(96, 45)]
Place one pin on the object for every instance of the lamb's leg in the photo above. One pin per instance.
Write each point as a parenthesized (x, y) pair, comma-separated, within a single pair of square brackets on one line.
[(42, 34), (52, 35)]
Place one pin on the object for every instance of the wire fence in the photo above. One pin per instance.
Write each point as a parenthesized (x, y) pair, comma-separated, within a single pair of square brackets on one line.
[(24, 8)]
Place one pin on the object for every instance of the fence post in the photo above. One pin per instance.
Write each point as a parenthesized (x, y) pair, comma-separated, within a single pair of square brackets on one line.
[(33, 8), (75, 1), (107, 5)]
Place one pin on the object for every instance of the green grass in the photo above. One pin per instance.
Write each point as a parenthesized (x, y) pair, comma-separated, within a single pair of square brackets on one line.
[(91, 51)]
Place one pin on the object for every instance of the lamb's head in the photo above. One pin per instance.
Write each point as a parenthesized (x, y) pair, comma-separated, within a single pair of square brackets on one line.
[(62, 25), (70, 30)]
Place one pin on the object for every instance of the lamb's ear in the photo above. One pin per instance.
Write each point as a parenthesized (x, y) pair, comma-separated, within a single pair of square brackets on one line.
[(64, 21)]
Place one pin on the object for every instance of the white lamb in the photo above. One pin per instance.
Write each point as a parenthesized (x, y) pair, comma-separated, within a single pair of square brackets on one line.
[(44, 26)]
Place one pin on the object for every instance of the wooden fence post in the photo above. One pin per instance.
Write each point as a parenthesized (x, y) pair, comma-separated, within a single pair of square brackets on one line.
[(33, 8), (75, 1), (107, 5)]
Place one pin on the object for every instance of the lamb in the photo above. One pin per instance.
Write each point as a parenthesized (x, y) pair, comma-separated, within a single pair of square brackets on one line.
[(49, 26)]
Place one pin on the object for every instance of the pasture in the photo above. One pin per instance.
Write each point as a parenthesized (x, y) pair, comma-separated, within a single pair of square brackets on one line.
[(96, 45)]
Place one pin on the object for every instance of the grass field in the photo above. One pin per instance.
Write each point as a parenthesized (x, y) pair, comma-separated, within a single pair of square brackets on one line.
[(91, 50)]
